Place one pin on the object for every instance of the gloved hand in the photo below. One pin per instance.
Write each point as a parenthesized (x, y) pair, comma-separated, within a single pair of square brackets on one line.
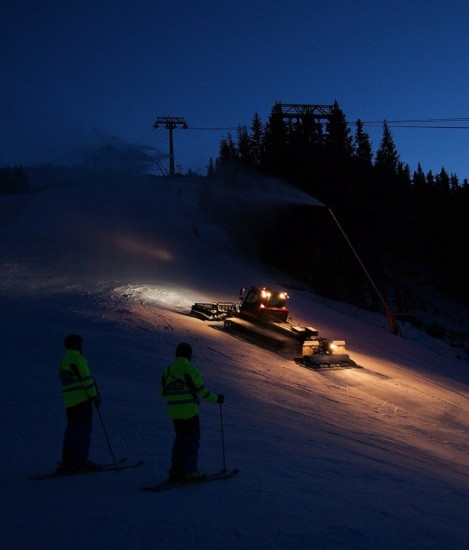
[(221, 398)]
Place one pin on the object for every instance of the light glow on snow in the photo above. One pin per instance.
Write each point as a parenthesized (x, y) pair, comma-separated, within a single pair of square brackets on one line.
[(143, 248)]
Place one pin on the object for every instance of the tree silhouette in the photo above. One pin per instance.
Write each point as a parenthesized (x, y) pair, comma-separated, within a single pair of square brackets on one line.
[(362, 143), (395, 218), (387, 157)]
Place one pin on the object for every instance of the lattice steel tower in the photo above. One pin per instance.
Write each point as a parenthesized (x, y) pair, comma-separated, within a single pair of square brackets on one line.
[(170, 123), (301, 110)]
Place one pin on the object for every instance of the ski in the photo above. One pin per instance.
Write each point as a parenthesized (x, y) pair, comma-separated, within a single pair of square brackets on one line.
[(110, 467), (166, 485)]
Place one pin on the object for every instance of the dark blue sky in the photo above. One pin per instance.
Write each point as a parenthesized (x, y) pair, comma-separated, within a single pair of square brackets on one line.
[(79, 71)]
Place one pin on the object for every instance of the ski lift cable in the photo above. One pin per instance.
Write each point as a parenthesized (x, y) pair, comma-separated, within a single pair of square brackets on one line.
[(398, 123)]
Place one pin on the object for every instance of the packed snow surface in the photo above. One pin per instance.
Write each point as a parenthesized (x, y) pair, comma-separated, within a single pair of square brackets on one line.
[(366, 458)]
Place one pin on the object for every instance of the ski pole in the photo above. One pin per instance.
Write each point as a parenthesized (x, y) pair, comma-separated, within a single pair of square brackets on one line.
[(223, 440), (107, 438)]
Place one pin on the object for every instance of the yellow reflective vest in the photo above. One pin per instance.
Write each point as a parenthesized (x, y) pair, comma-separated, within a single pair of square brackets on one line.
[(181, 386), (77, 382)]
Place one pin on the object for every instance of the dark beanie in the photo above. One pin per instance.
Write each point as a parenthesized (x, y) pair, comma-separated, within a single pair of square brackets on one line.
[(73, 341), (184, 350)]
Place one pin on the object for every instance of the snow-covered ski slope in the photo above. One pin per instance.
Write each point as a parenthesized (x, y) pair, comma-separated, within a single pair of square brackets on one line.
[(372, 458)]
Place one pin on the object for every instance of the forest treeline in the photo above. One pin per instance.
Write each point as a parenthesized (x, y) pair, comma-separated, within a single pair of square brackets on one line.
[(13, 180), (408, 228)]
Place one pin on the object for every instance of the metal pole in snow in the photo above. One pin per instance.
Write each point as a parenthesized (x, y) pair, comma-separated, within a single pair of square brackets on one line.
[(223, 440), (389, 313), (107, 438)]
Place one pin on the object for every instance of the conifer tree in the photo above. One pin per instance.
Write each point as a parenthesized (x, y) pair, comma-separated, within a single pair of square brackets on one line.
[(338, 140), (430, 179), (363, 149), (276, 142), (244, 147), (403, 173), (227, 152), (387, 157), (13, 180), (419, 179), (443, 181), (210, 169), (257, 137), (342, 171), (454, 183)]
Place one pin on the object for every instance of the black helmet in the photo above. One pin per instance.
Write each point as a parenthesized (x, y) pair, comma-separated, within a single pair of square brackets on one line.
[(184, 350), (73, 341)]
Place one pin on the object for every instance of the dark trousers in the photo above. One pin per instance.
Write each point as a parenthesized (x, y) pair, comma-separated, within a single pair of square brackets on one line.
[(185, 452), (77, 436)]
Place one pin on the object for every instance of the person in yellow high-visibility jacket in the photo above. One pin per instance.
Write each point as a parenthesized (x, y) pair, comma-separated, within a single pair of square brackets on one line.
[(182, 386), (79, 394)]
